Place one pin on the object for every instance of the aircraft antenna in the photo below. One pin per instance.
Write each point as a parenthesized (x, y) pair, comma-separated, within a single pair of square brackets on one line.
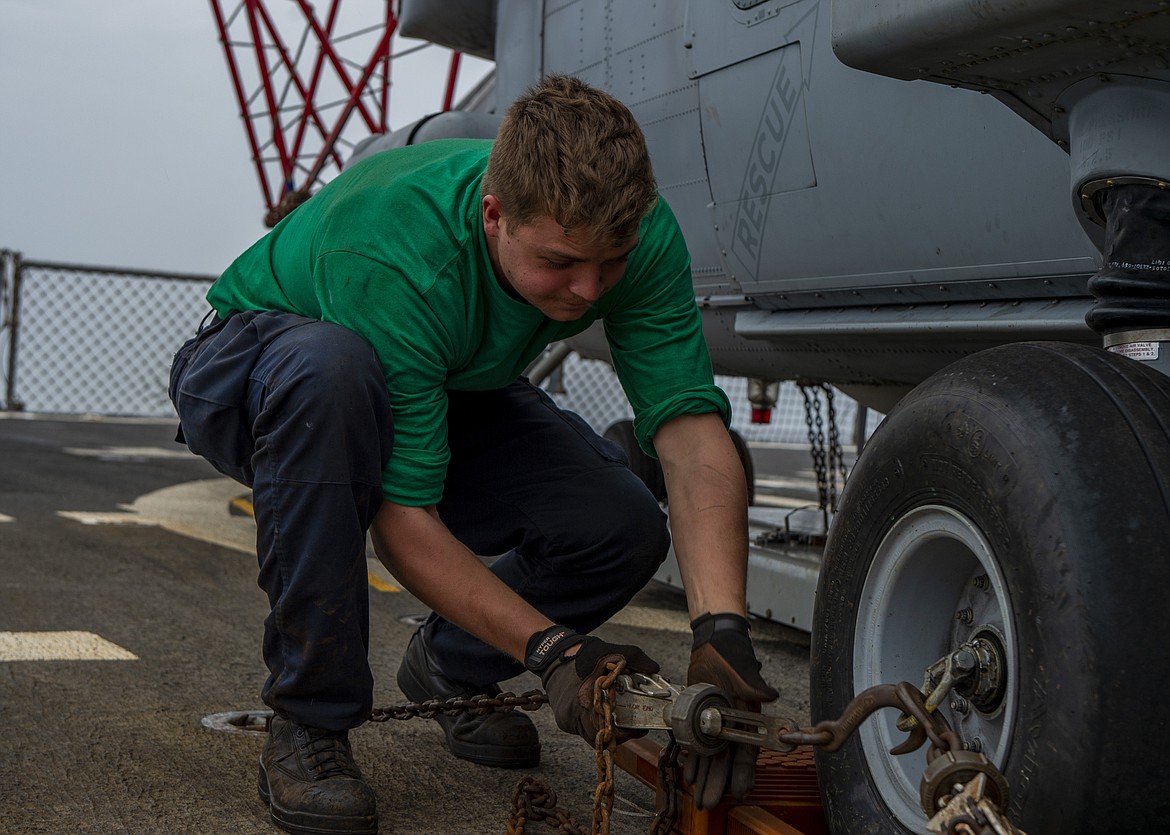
[(310, 86)]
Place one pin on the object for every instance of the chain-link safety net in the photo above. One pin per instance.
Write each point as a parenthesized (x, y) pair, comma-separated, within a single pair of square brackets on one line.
[(95, 340), (591, 389)]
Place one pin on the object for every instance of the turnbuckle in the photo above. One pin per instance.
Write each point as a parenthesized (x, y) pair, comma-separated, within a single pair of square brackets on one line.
[(701, 716)]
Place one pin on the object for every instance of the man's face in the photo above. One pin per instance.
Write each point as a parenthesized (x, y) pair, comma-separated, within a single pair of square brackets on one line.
[(559, 274)]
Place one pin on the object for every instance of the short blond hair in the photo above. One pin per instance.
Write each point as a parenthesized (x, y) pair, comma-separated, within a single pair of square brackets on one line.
[(570, 152)]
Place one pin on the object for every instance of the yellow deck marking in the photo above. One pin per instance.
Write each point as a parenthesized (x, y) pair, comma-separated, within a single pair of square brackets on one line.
[(243, 505), (380, 584), (60, 646)]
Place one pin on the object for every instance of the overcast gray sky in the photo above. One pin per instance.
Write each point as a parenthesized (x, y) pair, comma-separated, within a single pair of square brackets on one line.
[(120, 139)]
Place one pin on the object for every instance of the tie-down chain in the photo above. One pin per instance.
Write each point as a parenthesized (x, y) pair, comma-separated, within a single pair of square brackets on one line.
[(532, 798), (961, 792)]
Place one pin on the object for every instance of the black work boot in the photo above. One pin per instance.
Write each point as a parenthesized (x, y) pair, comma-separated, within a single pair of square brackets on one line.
[(505, 740), (311, 783)]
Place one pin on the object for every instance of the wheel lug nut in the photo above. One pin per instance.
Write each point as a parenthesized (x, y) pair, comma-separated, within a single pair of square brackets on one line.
[(965, 616), (964, 660)]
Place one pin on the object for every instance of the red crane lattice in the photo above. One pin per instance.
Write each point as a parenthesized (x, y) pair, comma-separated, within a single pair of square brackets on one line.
[(297, 94)]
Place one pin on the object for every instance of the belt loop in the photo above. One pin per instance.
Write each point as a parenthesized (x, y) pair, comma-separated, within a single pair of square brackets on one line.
[(210, 314)]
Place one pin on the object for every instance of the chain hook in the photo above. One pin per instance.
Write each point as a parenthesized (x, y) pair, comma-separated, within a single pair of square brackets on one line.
[(831, 734)]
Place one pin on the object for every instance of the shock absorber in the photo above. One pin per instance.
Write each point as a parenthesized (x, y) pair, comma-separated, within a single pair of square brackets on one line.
[(1132, 288), (1120, 160)]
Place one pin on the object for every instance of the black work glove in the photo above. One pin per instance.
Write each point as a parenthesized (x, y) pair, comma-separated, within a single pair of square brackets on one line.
[(568, 680), (722, 655)]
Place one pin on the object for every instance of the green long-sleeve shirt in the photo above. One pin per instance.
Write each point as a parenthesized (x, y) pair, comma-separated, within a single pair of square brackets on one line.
[(394, 249)]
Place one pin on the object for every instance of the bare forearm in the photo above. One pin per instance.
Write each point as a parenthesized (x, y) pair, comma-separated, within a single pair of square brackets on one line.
[(708, 512), (439, 570)]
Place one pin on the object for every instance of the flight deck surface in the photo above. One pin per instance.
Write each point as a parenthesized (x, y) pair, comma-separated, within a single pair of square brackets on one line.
[(129, 612)]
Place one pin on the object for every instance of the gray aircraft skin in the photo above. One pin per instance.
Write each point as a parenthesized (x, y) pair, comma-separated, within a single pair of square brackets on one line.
[(910, 199)]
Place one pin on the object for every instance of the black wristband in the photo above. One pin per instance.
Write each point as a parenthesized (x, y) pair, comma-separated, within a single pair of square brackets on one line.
[(545, 647), (706, 626), (730, 636)]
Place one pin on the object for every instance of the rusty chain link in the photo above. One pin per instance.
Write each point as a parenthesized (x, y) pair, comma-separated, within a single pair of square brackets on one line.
[(533, 800), (603, 745), (475, 705), (536, 801), (666, 817)]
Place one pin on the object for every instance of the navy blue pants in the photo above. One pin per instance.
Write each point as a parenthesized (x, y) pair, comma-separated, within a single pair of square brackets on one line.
[(297, 410)]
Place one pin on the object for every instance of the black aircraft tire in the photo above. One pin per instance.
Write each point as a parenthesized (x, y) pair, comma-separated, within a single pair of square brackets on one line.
[(1024, 490), (749, 467), (642, 465)]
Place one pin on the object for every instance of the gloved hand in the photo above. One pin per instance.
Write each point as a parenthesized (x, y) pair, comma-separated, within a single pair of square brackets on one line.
[(722, 655), (568, 676)]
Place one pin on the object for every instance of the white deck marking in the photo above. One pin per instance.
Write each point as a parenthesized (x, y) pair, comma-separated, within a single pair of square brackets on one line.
[(129, 453), (60, 646), (196, 508), (6, 518), (88, 517)]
